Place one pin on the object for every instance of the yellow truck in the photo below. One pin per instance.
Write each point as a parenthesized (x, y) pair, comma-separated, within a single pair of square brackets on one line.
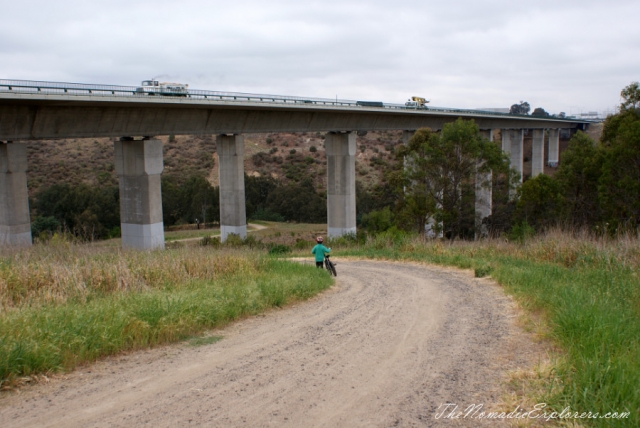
[(417, 103)]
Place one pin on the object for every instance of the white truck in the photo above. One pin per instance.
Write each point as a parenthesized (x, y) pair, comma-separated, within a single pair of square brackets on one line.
[(417, 103), (153, 87)]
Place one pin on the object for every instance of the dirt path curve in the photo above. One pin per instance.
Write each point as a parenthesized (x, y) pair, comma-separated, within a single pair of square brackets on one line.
[(386, 346)]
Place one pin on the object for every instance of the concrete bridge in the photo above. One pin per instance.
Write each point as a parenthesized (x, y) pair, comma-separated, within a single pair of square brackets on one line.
[(48, 110)]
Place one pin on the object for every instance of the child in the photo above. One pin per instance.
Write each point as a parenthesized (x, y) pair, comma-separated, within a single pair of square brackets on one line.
[(320, 250)]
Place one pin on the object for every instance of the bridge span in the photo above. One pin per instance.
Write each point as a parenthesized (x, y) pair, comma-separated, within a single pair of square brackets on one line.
[(50, 110)]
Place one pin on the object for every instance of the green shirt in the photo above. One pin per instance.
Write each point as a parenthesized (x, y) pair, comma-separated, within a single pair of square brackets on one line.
[(319, 250)]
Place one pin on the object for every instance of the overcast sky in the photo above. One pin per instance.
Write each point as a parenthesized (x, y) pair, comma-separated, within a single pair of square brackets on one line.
[(572, 55)]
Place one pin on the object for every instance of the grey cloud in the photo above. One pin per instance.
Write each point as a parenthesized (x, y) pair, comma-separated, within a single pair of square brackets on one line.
[(559, 55)]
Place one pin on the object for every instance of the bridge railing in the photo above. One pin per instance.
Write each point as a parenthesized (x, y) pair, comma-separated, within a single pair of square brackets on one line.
[(63, 88), (92, 90)]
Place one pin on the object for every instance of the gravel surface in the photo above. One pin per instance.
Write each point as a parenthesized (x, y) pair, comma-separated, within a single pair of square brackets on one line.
[(386, 346)]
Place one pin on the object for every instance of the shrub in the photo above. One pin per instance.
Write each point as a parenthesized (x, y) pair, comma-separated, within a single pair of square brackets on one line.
[(212, 241), (378, 221), (46, 225), (301, 244), (279, 249), (482, 271), (292, 151), (520, 232), (313, 149)]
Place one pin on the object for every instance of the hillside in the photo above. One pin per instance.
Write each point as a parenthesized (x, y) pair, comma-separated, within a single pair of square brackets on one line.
[(287, 157), (283, 156)]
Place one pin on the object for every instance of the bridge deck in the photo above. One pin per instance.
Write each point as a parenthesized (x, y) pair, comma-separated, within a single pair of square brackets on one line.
[(48, 110)]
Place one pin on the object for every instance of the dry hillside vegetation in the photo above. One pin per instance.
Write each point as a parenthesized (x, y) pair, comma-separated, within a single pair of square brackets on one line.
[(281, 156)]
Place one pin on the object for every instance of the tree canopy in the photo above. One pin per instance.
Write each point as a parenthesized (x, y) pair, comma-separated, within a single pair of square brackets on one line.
[(631, 96), (522, 108), (439, 175), (540, 112)]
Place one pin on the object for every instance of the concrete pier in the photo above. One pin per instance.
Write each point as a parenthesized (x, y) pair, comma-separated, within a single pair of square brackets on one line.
[(406, 136), (512, 143), (483, 192), (233, 214), (15, 224), (554, 147), (537, 155), (341, 183), (138, 165)]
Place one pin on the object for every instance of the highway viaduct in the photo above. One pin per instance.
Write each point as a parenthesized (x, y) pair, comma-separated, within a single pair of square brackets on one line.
[(46, 110)]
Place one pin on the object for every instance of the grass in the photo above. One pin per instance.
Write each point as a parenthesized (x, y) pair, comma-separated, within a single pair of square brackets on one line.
[(588, 292), (65, 304), (190, 234)]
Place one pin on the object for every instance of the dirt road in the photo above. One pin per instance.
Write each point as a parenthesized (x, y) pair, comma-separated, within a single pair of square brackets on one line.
[(386, 346)]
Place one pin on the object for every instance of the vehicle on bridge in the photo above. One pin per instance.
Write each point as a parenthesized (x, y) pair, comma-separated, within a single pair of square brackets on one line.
[(370, 103), (417, 103), (153, 87)]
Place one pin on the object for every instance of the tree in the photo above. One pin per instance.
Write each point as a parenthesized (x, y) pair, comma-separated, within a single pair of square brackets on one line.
[(256, 190), (186, 201), (439, 175), (298, 202), (87, 212), (540, 112), (522, 108), (578, 176), (619, 183), (378, 221), (631, 96), (540, 202)]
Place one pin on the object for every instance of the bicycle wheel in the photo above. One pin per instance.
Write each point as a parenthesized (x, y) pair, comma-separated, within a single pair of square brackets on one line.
[(332, 268), (327, 267)]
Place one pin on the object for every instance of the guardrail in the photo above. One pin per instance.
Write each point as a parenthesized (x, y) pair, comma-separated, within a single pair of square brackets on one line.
[(80, 89)]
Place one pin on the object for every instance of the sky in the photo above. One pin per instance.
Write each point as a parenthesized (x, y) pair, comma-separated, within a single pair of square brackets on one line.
[(570, 56)]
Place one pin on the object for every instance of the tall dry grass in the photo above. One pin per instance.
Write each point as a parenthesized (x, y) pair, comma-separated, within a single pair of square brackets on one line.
[(569, 249), (62, 271)]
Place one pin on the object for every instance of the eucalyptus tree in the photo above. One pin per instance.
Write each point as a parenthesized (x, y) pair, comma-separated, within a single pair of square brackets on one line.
[(439, 174)]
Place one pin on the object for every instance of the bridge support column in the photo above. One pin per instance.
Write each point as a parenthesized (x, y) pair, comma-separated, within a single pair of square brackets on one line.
[(512, 143), (15, 224), (537, 155), (554, 147), (233, 215), (341, 183), (138, 165), (483, 192), (406, 136)]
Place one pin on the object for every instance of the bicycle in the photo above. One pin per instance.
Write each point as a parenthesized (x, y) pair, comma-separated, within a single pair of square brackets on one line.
[(328, 264)]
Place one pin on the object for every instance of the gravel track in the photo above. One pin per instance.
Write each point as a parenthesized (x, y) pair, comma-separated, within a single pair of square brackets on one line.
[(386, 346)]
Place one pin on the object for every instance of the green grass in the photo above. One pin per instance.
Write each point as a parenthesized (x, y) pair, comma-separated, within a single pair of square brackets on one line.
[(103, 302), (588, 293), (189, 234)]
